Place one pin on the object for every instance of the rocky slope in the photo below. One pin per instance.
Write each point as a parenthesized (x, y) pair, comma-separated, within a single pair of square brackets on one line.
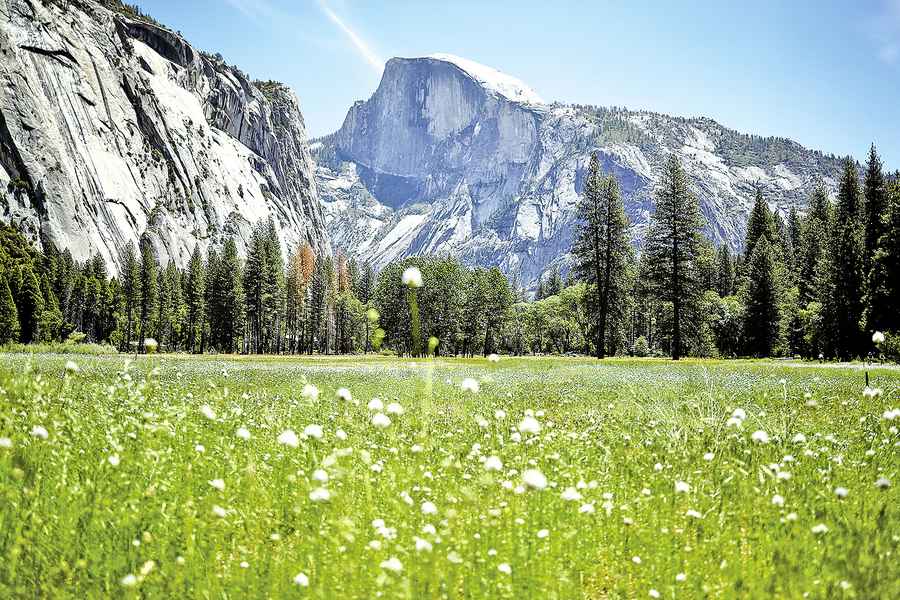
[(111, 126), (452, 157)]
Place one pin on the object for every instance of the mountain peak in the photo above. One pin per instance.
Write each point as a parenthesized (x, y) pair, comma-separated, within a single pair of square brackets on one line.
[(495, 81)]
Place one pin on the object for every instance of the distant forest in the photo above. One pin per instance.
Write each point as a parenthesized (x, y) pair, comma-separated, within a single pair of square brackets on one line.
[(817, 286)]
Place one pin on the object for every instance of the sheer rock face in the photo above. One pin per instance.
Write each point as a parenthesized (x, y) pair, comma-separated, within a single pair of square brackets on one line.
[(112, 127), (443, 158)]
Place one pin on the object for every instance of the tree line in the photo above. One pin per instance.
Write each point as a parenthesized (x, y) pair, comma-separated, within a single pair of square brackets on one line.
[(813, 285), (817, 285)]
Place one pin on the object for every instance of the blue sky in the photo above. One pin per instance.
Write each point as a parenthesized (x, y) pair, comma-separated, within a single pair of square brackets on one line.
[(826, 74)]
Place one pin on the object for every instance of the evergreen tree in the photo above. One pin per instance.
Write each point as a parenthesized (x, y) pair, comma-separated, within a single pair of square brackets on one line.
[(30, 304), (672, 246), (163, 318), (317, 308), (875, 208), (213, 325), (497, 302), (273, 289), (9, 318), (194, 296), (761, 314), (725, 272), (760, 223), (884, 279), (131, 290), (51, 319), (232, 290), (366, 283), (794, 228), (601, 251), (844, 283), (148, 288), (813, 244)]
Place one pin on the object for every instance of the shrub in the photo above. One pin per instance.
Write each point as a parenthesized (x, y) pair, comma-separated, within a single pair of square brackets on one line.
[(641, 347)]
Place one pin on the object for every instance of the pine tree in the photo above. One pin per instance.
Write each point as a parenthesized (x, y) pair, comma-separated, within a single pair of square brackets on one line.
[(760, 223), (294, 295), (213, 324), (195, 293), (601, 251), (163, 317), (844, 283), (794, 228), (317, 308), (232, 302), (30, 305), (497, 302), (9, 318), (131, 290), (672, 246), (761, 314), (273, 288), (875, 208), (884, 279), (174, 325), (725, 272), (51, 319), (812, 250), (148, 288)]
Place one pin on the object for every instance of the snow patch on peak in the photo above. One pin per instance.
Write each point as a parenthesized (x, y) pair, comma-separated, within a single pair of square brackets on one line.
[(505, 85)]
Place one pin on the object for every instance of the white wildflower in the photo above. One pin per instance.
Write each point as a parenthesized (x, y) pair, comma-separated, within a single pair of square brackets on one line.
[(760, 437), (320, 495), (530, 425), (314, 431), (469, 385), (493, 463), (310, 392), (392, 564), (534, 479), (412, 277), (288, 438), (381, 420)]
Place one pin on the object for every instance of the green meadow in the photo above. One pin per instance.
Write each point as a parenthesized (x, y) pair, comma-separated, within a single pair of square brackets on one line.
[(353, 477)]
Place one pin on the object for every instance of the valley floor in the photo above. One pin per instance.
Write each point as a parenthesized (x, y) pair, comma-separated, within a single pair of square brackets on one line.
[(351, 477)]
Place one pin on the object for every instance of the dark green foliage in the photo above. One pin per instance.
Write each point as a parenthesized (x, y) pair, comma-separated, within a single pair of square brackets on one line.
[(761, 313), (149, 290), (724, 272), (602, 250), (813, 246), (195, 297), (9, 318), (226, 300), (875, 208), (759, 224), (843, 271), (131, 290), (30, 304), (883, 310), (672, 247)]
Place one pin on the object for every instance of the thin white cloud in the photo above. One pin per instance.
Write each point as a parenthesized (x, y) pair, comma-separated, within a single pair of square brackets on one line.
[(361, 46), (258, 10)]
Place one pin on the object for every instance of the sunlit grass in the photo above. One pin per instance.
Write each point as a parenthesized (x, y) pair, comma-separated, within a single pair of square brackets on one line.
[(177, 477)]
